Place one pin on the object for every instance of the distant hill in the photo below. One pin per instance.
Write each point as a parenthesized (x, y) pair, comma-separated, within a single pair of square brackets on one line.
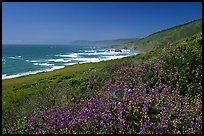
[(163, 38), (105, 42)]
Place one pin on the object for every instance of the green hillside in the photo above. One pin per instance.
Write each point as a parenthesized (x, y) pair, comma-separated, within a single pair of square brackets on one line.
[(164, 38), (150, 93)]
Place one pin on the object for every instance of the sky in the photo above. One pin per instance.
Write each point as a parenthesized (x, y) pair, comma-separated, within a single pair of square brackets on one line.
[(61, 22)]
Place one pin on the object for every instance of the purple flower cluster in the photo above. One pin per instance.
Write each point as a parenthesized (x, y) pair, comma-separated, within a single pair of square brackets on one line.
[(136, 101)]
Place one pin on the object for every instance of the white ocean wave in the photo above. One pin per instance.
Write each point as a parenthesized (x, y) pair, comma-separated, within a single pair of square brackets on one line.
[(4, 76), (43, 64), (58, 60), (19, 75), (56, 67), (34, 61), (72, 55), (88, 59), (77, 57), (66, 64), (15, 57), (12, 57), (102, 50), (107, 53)]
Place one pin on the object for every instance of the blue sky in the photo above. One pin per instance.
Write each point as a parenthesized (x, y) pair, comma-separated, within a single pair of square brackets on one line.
[(57, 22)]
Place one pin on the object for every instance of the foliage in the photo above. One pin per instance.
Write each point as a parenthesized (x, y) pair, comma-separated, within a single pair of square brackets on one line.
[(155, 97), (184, 64), (155, 92)]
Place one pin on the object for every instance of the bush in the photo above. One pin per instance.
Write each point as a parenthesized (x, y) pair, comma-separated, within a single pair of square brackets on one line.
[(184, 65), (152, 98)]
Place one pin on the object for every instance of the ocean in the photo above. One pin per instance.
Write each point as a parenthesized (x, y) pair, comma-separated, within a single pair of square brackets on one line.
[(20, 60)]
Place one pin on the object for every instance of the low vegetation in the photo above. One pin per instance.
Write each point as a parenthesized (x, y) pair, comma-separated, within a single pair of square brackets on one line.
[(158, 92)]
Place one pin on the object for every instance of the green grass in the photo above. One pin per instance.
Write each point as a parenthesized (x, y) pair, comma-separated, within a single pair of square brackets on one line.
[(26, 95), (22, 96)]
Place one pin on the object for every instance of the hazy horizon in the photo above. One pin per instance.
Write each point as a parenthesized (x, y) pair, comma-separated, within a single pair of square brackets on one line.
[(61, 23)]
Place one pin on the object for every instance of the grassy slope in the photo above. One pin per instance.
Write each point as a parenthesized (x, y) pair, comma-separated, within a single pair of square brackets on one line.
[(59, 77), (18, 91), (9, 85), (27, 94), (165, 37), (154, 41), (24, 95)]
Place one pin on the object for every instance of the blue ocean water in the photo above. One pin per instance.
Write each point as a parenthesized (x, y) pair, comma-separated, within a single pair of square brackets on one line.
[(20, 60)]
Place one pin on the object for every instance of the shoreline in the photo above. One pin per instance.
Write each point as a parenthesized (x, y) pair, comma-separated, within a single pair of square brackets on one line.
[(24, 74)]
